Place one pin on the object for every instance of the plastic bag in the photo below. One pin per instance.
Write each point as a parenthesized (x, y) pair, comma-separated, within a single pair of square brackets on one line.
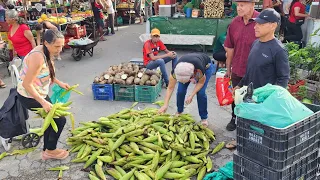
[(224, 91), (56, 95), (224, 173), (274, 106)]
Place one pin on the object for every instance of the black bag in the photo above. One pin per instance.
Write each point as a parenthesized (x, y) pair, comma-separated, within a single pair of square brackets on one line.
[(299, 22), (13, 116)]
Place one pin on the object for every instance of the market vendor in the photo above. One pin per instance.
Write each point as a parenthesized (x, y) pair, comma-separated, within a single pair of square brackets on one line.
[(151, 57), (196, 68), (36, 75), (19, 34), (240, 37)]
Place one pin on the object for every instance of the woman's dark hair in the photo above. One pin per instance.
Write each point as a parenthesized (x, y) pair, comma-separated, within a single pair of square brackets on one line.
[(50, 36), (39, 27), (292, 3)]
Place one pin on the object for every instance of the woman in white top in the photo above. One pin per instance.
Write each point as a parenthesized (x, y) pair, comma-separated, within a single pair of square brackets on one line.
[(110, 11)]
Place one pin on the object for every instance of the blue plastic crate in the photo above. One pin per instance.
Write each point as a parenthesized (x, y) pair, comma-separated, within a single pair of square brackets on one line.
[(103, 92)]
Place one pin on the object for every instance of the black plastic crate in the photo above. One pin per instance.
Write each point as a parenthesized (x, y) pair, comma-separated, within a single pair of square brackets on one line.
[(278, 148), (304, 169)]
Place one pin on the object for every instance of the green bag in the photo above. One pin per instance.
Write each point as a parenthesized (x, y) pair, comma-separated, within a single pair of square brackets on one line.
[(57, 94), (224, 173), (274, 106)]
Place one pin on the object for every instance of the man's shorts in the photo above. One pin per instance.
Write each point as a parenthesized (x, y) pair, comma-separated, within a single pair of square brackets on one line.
[(99, 22)]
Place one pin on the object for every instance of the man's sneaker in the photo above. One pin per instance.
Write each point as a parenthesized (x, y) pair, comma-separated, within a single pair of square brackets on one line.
[(232, 124)]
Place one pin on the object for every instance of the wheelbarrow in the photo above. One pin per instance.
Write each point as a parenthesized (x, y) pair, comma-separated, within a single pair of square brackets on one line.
[(81, 50)]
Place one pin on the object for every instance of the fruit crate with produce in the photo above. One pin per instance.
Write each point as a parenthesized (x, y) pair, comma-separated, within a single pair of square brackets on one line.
[(146, 91), (126, 76)]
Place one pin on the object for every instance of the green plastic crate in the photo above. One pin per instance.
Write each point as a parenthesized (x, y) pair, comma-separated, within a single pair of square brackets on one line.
[(123, 92), (148, 94)]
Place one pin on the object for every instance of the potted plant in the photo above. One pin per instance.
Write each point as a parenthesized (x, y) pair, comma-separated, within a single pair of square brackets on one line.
[(297, 57)]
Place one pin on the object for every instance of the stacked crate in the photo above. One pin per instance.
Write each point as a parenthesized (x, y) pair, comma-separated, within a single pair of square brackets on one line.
[(267, 153)]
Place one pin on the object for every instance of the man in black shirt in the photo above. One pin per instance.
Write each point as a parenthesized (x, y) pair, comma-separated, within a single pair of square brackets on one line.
[(268, 59), (196, 68)]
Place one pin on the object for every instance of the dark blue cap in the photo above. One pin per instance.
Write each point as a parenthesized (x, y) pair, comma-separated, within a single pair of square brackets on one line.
[(268, 15)]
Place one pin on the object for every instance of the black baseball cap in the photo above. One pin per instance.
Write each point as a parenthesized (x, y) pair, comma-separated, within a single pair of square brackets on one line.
[(268, 15)]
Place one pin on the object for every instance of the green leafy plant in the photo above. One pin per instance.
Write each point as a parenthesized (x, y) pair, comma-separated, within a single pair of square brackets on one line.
[(302, 92), (297, 57)]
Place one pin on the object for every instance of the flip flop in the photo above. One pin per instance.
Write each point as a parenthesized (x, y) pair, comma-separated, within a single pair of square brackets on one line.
[(204, 123), (62, 155), (231, 145), (3, 85)]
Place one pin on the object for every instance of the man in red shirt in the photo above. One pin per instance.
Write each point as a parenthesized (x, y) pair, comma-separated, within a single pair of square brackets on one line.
[(240, 37), (151, 57)]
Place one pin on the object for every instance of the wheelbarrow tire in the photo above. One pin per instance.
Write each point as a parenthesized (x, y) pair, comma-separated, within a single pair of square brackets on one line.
[(30, 140), (77, 54)]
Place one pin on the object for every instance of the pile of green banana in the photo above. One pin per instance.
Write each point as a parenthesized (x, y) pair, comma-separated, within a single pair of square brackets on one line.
[(143, 145)]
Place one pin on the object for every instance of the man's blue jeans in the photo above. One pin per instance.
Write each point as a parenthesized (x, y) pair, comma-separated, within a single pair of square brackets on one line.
[(162, 64), (201, 95)]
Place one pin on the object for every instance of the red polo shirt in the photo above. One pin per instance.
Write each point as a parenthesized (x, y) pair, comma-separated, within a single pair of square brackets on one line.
[(240, 37)]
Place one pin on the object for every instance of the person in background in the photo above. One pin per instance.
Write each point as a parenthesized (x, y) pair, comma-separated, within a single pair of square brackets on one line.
[(148, 9), (97, 6), (230, 8), (276, 4), (286, 7), (156, 4), (2, 84), (198, 69), (151, 57), (41, 28), (110, 11), (219, 53), (19, 34), (36, 75), (137, 10), (240, 37), (297, 14)]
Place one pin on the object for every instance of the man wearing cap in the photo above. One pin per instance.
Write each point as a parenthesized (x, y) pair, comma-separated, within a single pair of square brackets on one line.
[(238, 43), (151, 57), (268, 59), (196, 68)]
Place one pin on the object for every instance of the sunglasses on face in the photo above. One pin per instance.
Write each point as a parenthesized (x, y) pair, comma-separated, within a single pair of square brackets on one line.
[(156, 36)]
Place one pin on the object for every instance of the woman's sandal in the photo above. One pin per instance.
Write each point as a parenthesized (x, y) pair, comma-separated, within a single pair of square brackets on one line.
[(3, 85), (45, 156), (231, 145), (204, 123)]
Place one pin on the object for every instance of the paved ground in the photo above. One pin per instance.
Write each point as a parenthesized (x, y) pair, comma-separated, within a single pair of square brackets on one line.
[(118, 48)]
